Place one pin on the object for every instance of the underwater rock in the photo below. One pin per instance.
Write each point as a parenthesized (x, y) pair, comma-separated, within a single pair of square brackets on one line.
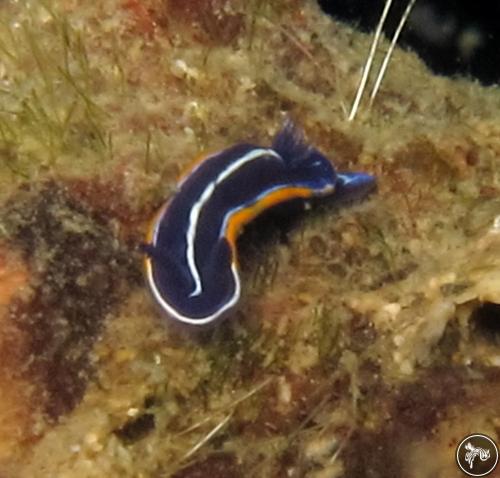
[(374, 323)]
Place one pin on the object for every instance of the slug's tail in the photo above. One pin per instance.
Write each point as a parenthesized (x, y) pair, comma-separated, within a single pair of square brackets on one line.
[(354, 186)]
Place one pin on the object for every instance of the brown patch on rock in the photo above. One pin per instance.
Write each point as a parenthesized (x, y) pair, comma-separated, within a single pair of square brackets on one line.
[(103, 197), (142, 15), (459, 154), (424, 159), (221, 465), (79, 271), (16, 411), (413, 412), (362, 333), (286, 411), (418, 407), (106, 200), (489, 192), (215, 22), (374, 455), (13, 274)]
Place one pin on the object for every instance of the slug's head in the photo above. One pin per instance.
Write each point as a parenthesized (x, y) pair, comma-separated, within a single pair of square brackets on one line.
[(306, 166)]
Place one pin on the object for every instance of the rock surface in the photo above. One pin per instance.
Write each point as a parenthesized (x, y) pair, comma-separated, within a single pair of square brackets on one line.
[(373, 327)]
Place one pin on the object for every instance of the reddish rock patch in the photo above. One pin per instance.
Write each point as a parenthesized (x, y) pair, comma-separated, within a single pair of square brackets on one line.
[(79, 272)]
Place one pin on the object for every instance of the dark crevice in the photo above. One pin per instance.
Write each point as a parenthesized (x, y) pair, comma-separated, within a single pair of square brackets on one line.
[(136, 429), (453, 37), (486, 321)]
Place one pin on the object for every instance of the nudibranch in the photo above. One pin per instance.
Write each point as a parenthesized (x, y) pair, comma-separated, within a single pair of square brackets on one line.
[(190, 255)]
